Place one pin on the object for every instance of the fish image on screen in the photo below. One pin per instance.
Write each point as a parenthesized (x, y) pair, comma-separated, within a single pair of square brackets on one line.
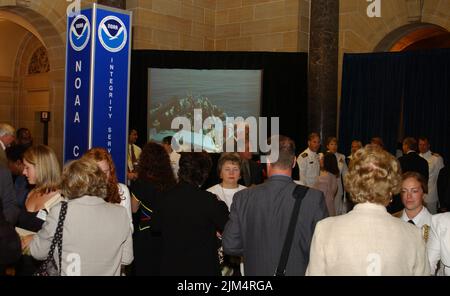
[(218, 93)]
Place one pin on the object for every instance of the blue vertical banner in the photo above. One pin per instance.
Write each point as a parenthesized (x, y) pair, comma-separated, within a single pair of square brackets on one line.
[(97, 84), (110, 90), (77, 98)]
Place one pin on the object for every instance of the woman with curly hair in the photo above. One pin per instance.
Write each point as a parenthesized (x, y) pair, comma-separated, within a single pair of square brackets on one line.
[(155, 176), (95, 233), (368, 240), (118, 193)]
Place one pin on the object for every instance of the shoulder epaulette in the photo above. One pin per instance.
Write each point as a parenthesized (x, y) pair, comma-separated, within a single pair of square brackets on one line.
[(304, 155), (435, 154)]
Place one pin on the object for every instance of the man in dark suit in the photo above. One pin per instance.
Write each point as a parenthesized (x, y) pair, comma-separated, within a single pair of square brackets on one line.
[(260, 217), (252, 173), (411, 160), (443, 187), (8, 196), (10, 249)]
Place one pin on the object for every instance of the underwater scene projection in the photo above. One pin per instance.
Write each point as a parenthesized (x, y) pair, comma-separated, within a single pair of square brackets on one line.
[(218, 94)]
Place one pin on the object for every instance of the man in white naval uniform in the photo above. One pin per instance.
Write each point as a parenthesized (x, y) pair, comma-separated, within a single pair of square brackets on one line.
[(435, 164), (309, 162), (438, 246)]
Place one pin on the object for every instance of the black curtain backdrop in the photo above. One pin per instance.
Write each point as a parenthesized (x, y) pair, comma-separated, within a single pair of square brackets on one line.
[(371, 99), (284, 92), (427, 99), (375, 85)]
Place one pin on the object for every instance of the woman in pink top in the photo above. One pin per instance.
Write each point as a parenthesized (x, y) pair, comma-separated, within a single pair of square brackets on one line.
[(327, 181)]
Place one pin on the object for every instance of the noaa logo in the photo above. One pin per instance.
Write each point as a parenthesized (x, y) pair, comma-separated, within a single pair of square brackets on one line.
[(80, 32), (112, 33)]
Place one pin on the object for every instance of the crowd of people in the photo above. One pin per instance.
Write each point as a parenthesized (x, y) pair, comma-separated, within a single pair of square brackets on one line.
[(369, 213)]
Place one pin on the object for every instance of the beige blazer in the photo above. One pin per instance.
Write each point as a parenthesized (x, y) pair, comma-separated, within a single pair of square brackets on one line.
[(96, 237), (367, 241)]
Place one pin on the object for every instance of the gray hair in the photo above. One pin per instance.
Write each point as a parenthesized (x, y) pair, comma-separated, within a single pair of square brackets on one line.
[(6, 130)]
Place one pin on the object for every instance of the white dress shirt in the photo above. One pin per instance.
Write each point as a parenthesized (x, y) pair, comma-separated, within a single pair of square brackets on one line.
[(126, 202), (225, 194), (309, 167), (439, 243), (435, 164), (174, 162), (421, 219)]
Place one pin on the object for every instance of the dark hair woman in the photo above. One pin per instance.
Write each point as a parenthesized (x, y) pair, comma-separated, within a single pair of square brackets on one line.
[(155, 176), (190, 220), (327, 181)]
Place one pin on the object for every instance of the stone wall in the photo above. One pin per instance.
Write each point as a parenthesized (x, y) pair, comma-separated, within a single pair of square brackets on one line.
[(261, 25), (33, 91), (49, 19), (222, 25), (173, 24)]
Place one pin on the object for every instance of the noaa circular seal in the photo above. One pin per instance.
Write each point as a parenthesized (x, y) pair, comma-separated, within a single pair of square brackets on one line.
[(80, 32), (112, 33)]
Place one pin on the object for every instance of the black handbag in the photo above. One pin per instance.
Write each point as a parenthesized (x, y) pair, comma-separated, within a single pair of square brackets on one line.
[(299, 194), (49, 267)]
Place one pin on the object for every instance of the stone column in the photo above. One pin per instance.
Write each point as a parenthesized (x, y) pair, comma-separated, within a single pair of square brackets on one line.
[(114, 3), (323, 67)]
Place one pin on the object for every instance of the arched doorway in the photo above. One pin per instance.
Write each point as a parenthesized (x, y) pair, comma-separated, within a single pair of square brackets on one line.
[(415, 36), (33, 79)]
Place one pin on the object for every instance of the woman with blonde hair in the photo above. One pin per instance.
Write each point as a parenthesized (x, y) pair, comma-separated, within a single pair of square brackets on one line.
[(96, 238), (414, 188), (118, 193), (368, 240), (42, 170)]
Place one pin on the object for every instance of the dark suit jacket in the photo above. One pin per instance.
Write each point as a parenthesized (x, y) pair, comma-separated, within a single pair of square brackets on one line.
[(3, 158), (190, 218), (10, 249), (443, 187), (259, 221), (256, 174), (412, 162), (8, 196)]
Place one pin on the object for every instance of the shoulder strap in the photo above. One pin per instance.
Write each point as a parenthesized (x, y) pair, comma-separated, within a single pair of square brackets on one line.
[(299, 194), (57, 238)]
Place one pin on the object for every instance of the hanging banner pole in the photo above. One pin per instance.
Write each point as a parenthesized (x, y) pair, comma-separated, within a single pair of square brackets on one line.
[(98, 116)]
